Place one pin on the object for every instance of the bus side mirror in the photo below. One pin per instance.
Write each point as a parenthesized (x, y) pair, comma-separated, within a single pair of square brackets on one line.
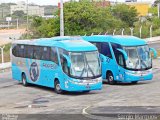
[(102, 57), (68, 60), (124, 53), (154, 52)]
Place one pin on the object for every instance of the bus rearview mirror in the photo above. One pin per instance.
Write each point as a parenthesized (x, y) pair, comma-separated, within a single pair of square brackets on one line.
[(154, 52), (68, 60), (124, 53)]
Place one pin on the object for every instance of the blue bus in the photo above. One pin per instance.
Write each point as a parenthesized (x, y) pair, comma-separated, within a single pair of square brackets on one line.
[(124, 59), (62, 63)]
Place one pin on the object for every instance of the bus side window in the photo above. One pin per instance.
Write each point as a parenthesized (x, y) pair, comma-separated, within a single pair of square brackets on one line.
[(37, 52), (14, 50), (29, 51), (46, 53), (20, 50), (54, 56), (105, 50)]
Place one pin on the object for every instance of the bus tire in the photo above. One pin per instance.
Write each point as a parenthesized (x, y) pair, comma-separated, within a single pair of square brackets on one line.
[(87, 91), (134, 82), (110, 78), (57, 88), (24, 80)]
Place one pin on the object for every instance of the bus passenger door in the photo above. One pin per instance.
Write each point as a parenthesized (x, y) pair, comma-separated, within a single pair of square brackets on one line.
[(121, 65), (107, 63), (51, 68)]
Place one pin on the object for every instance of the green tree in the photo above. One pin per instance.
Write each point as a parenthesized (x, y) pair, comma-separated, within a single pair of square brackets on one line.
[(126, 13), (153, 11), (41, 27), (85, 17), (18, 14)]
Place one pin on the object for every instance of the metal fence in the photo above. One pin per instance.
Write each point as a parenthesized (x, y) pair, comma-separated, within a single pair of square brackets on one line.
[(126, 31), (16, 24)]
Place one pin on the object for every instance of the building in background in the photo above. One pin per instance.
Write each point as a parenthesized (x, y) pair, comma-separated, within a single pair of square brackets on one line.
[(131, 1), (142, 7), (5, 10), (50, 9), (32, 9)]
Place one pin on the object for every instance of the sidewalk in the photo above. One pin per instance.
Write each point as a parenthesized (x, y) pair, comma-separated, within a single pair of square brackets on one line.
[(5, 65)]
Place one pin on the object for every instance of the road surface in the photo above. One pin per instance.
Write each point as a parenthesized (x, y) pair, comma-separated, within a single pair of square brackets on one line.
[(16, 99), (155, 45)]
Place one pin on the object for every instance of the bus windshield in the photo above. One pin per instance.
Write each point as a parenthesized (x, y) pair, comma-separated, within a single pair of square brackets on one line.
[(138, 57), (85, 64)]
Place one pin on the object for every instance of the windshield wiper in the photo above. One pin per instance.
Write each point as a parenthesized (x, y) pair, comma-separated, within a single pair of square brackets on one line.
[(84, 69), (89, 67)]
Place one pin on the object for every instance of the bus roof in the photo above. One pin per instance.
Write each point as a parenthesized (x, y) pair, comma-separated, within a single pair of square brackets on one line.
[(122, 40), (68, 43)]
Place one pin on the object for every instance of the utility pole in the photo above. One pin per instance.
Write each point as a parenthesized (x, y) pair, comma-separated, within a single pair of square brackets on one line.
[(17, 23), (2, 54), (122, 31), (27, 19), (61, 19), (150, 31), (2, 12), (158, 7)]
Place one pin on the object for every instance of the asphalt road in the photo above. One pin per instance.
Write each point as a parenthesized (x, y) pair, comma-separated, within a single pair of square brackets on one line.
[(8, 36), (16, 99)]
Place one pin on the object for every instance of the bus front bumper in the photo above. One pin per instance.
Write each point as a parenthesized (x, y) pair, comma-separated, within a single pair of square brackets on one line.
[(84, 85), (141, 76)]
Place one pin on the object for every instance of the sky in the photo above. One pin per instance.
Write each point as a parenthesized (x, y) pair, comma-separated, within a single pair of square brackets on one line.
[(51, 2)]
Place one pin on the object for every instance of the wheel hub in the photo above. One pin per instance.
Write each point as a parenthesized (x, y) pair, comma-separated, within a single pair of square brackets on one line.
[(58, 87), (110, 78)]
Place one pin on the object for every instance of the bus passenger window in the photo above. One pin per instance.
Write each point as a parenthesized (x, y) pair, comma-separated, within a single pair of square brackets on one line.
[(105, 49), (45, 53), (54, 56), (20, 50), (37, 52), (29, 52), (14, 51)]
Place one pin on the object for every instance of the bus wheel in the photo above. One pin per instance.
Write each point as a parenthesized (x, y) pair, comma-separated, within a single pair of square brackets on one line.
[(57, 87), (134, 82), (86, 91), (24, 80), (110, 78)]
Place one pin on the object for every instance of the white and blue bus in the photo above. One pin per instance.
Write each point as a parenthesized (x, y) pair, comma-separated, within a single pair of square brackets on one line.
[(62, 63), (124, 58)]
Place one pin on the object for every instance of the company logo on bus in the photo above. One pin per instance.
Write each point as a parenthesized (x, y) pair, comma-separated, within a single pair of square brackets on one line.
[(34, 72)]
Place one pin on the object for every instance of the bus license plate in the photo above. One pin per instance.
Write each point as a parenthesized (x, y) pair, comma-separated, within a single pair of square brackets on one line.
[(88, 86), (142, 78)]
